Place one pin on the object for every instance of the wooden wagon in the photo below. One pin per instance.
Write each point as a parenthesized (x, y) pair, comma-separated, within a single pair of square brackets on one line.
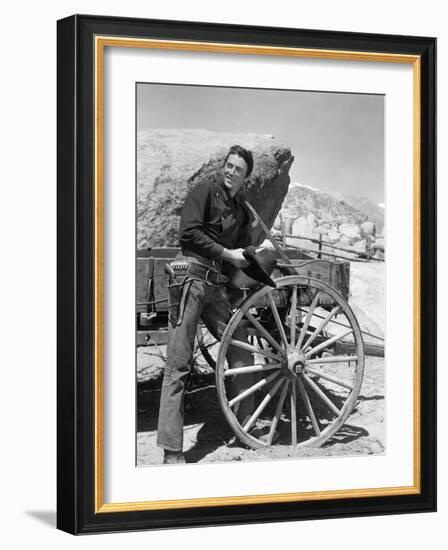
[(306, 344)]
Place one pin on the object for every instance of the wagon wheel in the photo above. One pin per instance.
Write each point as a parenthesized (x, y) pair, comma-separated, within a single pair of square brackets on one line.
[(306, 364), (207, 344)]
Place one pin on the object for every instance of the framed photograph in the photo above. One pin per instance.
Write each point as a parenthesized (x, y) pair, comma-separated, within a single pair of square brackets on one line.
[(246, 274)]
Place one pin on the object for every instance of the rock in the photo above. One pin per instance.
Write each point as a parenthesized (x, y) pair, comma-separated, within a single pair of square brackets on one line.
[(150, 364), (333, 236), (292, 210), (350, 230), (288, 217), (329, 219), (302, 228), (171, 162), (320, 230), (344, 240), (312, 219), (368, 228), (378, 245), (360, 245), (288, 214), (318, 233)]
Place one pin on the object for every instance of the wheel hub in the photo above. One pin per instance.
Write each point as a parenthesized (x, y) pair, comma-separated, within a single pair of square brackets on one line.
[(296, 362)]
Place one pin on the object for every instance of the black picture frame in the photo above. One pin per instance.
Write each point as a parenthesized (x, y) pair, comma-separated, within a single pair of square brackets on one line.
[(78, 502)]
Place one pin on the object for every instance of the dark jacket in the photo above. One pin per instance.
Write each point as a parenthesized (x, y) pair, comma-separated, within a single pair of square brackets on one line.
[(212, 220)]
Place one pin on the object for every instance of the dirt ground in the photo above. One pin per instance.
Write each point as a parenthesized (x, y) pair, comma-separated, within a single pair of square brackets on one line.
[(207, 437)]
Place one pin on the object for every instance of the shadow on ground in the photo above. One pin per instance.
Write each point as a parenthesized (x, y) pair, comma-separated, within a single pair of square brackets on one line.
[(203, 413), (346, 434)]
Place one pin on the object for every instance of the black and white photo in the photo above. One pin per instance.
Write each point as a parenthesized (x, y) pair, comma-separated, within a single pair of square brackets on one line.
[(260, 274)]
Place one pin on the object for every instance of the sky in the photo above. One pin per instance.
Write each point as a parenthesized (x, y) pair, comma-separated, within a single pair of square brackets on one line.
[(337, 139)]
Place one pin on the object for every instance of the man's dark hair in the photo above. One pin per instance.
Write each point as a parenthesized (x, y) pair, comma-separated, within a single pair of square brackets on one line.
[(244, 154)]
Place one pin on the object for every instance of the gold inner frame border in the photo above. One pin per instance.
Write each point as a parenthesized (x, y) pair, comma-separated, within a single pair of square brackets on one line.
[(101, 42)]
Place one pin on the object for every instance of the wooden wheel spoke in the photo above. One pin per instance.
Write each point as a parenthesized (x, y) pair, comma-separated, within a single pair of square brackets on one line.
[(264, 333), (293, 316), (321, 326), (333, 359), (293, 414), (321, 394), (252, 368), (262, 405), (307, 320), (253, 389), (308, 406), (329, 378), (248, 347), (343, 325), (328, 343), (278, 412), (278, 321)]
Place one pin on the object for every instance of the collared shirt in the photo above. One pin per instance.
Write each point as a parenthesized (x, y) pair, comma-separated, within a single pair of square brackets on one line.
[(212, 220)]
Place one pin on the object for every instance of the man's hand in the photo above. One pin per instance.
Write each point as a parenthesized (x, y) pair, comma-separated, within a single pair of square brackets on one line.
[(235, 257)]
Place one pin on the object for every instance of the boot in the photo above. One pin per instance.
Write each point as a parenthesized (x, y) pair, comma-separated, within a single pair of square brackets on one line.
[(173, 457)]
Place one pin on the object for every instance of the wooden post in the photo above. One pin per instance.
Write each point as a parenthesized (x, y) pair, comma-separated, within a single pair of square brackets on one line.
[(283, 230), (320, 246), (263, 226), (368, 247)]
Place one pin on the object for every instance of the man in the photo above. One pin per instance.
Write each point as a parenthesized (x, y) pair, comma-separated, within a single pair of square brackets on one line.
[(214, 227)]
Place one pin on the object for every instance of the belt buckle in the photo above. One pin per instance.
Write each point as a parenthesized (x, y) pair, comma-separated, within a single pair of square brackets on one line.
[(206, 275)]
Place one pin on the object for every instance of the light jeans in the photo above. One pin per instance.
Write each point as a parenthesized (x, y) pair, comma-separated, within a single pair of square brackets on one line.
[(209, 302)]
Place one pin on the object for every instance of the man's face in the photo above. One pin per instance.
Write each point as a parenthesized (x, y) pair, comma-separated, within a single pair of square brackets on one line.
[(235, 170)]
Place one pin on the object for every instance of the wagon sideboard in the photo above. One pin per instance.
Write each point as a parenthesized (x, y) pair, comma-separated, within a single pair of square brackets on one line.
[(152, 286)]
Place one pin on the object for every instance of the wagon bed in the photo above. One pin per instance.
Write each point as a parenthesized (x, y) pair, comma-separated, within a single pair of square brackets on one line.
[(152, 286)]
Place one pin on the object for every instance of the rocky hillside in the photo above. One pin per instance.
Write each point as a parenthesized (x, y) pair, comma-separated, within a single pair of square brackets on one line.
[(171, 162), (344, 221), (373, 211), (330, 207)]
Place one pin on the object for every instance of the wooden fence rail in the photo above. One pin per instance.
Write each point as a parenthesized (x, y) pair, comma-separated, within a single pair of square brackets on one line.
[(321, 243), (324, 253)]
